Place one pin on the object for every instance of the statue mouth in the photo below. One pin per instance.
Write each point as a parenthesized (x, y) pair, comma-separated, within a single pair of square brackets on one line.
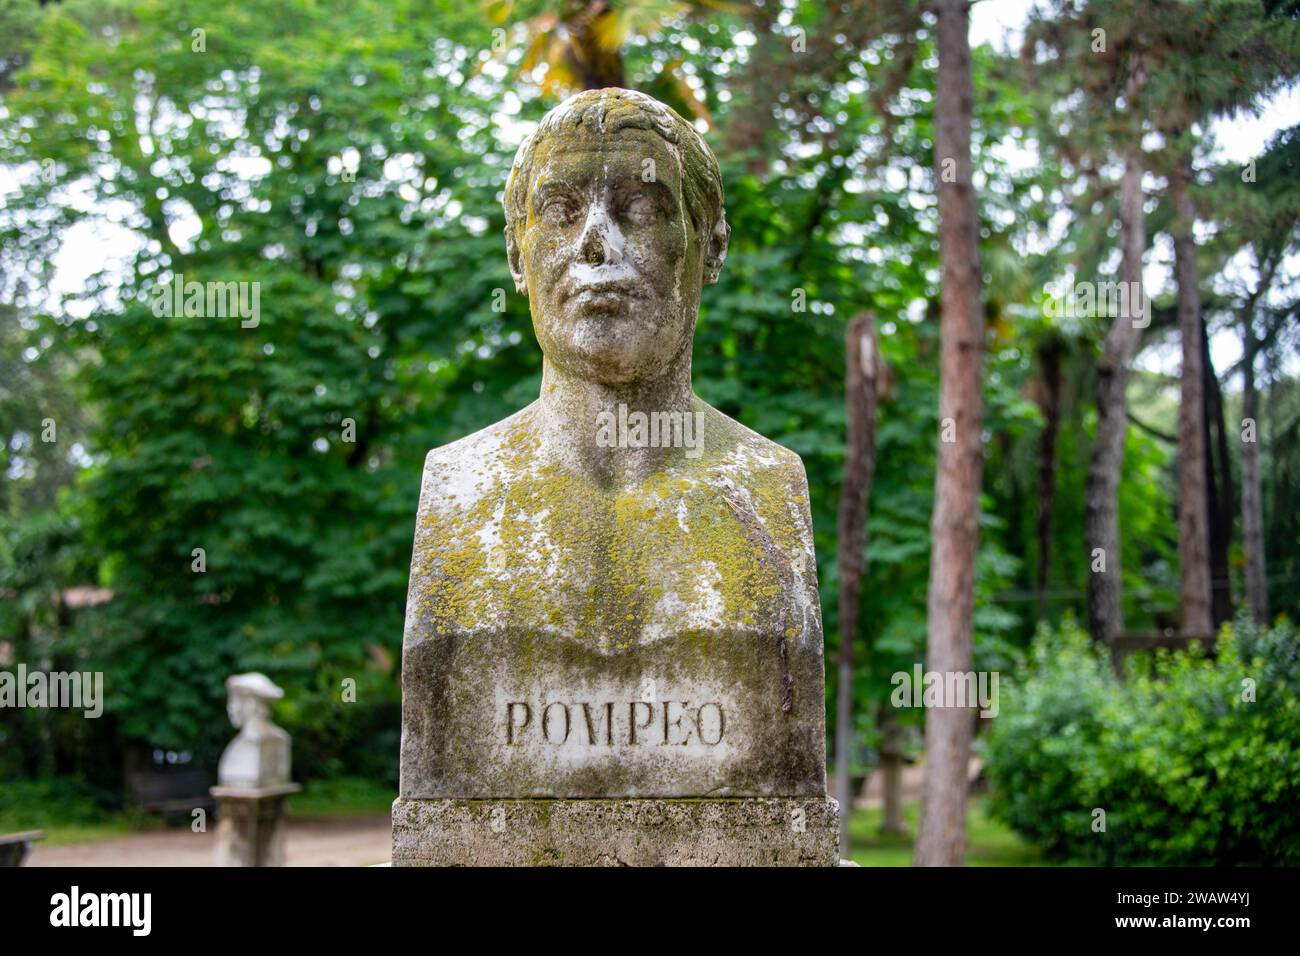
[(612, 295)]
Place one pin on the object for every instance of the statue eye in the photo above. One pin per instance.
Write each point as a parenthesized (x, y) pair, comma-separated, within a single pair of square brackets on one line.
[(640, 210), (559, 209)]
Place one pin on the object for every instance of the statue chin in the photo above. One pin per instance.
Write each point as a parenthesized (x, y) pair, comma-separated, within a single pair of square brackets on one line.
[(614, 350), (609, 364)]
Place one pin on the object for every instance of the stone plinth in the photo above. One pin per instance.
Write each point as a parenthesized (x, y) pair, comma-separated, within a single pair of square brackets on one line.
[(773, 831), (250, 824)]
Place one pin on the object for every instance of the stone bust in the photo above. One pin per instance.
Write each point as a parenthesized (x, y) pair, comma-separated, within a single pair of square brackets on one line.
[(613, 592), (259, 755)]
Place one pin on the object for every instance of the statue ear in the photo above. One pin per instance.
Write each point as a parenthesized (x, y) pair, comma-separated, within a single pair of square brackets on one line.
[(715, 253), (515, 260)]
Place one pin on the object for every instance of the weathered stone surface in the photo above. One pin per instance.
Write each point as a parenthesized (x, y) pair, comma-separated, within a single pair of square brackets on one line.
[(250, 825), (678, 832), (613, 592), (553, 627)]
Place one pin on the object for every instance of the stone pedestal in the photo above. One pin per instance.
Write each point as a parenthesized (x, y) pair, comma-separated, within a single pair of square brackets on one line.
[(250, 824), (780, 831)]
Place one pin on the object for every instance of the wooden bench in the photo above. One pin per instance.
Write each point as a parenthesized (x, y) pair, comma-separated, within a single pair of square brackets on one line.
[(15, 846), (171, 791)]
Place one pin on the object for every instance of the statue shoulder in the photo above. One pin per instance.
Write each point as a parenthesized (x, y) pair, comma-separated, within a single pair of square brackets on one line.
[(764, 486), (458, 474), (763, 483), (733, 449)]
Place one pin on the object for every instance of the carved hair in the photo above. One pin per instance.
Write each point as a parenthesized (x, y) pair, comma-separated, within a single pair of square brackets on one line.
[(611, 110)]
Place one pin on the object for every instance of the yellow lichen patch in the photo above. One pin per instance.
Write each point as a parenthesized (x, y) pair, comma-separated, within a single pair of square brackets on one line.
[(568, 556)]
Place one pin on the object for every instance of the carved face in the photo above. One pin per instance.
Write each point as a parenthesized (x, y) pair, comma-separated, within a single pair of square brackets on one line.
[(244, 708), (611, 259)]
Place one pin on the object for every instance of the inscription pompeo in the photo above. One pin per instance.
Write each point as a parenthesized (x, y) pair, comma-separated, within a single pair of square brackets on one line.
[(633, 724)]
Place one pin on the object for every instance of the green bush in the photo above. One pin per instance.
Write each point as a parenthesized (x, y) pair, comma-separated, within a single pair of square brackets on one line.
[(1189, 769), (54, 801)]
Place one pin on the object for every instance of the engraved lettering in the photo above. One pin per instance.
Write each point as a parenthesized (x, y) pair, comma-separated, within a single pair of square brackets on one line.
[(546, 722), (592, 726), (512, 728), (631, 716), (671, 723), (719, 723)]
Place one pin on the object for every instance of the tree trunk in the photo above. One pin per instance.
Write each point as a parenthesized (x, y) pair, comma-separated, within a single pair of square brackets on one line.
[(1106, 462), (1193, 503), (1252, 501), (1218, 484), (860, 375), (1252, 508), (955, 524), (1049, 361), (891, 773)]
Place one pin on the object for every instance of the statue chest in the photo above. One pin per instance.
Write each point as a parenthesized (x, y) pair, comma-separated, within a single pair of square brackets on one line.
[(581, 646), (613, 569)]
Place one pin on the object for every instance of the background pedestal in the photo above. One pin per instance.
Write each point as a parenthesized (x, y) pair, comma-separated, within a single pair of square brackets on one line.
[(250, 825), (768, 831)]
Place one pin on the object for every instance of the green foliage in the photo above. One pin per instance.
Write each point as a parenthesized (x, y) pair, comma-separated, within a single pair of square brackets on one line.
[(61, 801), (376, 306), (1188, 769), (377, 299), (342, 796)]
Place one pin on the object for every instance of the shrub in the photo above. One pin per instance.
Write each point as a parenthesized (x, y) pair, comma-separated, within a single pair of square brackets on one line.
[(53, 802), (1194, 761)]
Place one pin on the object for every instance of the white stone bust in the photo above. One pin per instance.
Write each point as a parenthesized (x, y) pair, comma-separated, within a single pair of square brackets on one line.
[(613, 591), (259, 756)]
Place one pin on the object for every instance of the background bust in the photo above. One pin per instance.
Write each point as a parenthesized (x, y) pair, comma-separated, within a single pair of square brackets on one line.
[(260, 754)]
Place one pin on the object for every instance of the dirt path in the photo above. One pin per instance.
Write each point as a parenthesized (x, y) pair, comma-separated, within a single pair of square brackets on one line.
[(872, 796), (352, 841), (345, 841)]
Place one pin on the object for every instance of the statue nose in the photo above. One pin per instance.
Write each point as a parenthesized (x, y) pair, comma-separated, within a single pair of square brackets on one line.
[(602, 243), (594, 250)]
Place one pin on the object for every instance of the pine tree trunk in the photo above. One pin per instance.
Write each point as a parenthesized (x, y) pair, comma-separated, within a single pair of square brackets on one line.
[(1252, 508), (1106, 462), (891, 773), (1193, 501), (955, 523), (860, 374), (1049, 361), (1218, 485)]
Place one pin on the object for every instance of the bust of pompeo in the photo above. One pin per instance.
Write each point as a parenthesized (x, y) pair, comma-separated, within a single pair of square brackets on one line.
[(613, 591)]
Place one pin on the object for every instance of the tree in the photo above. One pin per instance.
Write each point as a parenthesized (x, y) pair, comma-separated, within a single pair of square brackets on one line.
[(861, 363), (1049, 349), (1105, 587), (1252, 507), (1216, 59), (251, 498), (1099, 52), (1193, 498), (1261, 206), (955, 525)]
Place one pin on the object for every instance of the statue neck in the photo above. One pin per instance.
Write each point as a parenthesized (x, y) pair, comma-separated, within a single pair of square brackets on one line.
[(574, 410)]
